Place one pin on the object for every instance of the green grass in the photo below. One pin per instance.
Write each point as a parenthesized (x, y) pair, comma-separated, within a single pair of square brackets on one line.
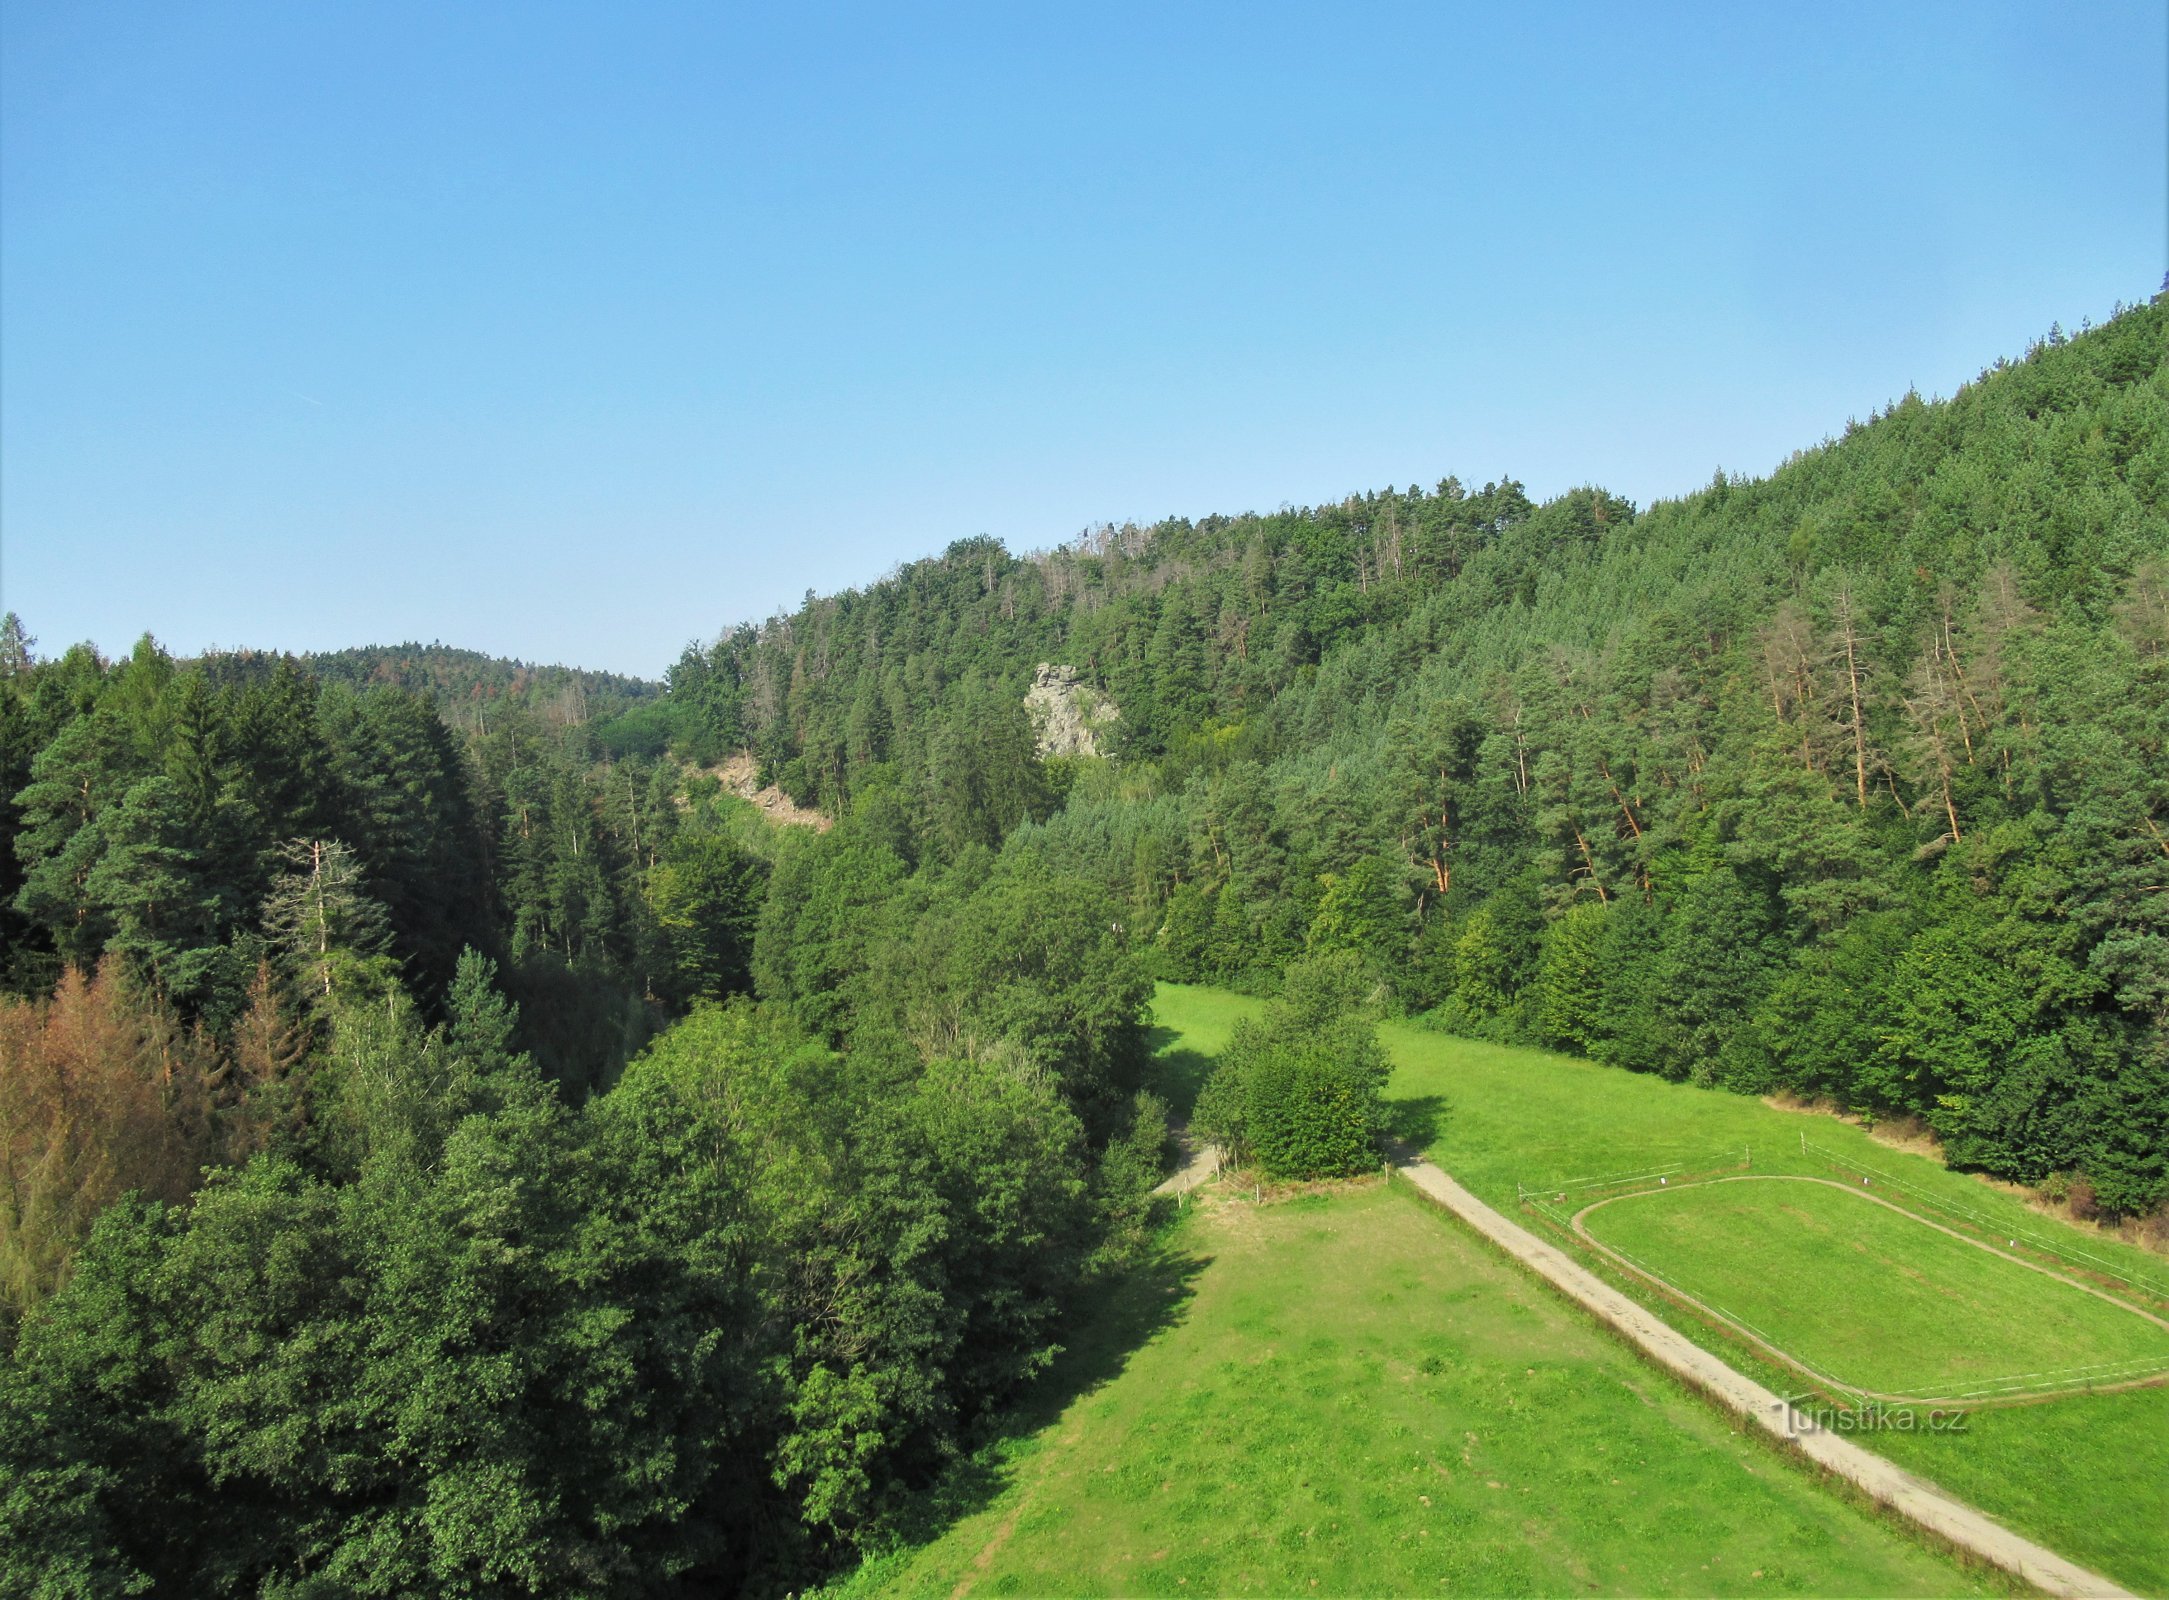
[(1193, 1027), (2087, 1475), (1271, 1400), (1351, 1395), (2084, 1475), (1869, 1296), (711, 808)]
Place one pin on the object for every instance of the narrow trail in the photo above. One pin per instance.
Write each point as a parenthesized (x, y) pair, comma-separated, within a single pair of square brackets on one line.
[(1200, 1162), (1950, 1519)]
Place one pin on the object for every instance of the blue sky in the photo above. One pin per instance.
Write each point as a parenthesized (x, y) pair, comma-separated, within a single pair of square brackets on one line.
[(575, 333)]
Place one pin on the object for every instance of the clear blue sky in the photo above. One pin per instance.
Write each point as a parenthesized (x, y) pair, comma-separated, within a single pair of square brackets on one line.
[(576, 332)]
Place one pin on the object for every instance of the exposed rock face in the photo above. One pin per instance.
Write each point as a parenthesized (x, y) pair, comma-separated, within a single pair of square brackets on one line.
[(738, 775), (1069, 714)]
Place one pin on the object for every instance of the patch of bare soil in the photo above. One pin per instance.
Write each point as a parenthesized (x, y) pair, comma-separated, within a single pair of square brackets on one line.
[(1244, 1189), (739, 775), (1909, 1134)]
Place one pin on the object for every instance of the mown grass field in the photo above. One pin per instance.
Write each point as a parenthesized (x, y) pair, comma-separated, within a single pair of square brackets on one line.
[(1868, 1295), (1494, 1115), (1351, 1396), (2087, 1475), (1193, 1025)]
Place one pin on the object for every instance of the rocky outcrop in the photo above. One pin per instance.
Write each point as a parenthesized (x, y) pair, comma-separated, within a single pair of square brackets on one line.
[(740, 776), (1069, 715)]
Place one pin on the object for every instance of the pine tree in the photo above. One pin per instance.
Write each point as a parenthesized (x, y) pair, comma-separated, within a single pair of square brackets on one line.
[(74, 781), (149, 884), (331, 934), (15, 647), (256, 1090)]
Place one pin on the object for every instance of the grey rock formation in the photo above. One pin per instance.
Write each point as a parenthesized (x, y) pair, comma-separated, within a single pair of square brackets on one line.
[(1068, 713)]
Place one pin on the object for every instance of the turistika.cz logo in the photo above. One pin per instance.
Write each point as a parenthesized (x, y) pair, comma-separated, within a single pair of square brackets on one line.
[(1802, 1415)]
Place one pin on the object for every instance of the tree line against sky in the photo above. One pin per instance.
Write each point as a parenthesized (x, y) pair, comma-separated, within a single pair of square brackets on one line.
[(450, 1141)]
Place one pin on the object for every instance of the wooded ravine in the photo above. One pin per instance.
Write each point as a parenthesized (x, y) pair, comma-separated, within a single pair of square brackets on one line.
[(451, 1142)]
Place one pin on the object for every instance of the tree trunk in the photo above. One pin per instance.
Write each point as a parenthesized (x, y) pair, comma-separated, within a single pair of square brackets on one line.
[(1852, 679)]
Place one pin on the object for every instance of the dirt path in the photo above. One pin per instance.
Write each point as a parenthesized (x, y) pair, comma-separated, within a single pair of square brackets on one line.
[(1913, 1497), (1200, 1163)]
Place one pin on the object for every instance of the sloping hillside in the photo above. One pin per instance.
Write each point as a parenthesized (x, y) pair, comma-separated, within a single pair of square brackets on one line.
[(1850, 780), (467, 686)]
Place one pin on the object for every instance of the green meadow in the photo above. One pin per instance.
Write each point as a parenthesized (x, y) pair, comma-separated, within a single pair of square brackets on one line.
[(1193, 1025), (2086, 1474), (1349, 1395), (1869, 1296)]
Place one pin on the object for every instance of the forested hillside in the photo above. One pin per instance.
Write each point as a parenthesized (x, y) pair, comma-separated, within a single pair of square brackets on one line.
[(1849, 781), (157, 809), (469, 688), (450, 1143), (340, 1248)]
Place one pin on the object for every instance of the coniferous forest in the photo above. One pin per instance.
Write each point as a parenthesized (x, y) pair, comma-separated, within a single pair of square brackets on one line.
[(450, 1143)]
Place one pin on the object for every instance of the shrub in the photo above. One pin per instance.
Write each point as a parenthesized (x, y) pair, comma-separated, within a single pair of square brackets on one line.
[(2081, 1200), (1299, 1090)]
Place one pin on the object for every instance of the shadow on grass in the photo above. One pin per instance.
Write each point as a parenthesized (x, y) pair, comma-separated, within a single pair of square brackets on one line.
[(1175, 1073), (1148, 1297), (1418, 1121)]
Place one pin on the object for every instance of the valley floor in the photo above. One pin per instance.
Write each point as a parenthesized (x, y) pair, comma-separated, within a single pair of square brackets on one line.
[(2085, 1474), (1346, 1394)]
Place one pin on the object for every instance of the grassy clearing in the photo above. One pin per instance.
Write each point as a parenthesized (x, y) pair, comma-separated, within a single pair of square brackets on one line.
[(1193, 1027), (1352, 1396), (1271, 1401), (1868, 1295), (1494, 1115), (2085, 1475)]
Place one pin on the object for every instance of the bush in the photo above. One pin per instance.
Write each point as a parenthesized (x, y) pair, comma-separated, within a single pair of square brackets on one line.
[(2081, 1200), (1299, 1090), (1315, 1109)]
